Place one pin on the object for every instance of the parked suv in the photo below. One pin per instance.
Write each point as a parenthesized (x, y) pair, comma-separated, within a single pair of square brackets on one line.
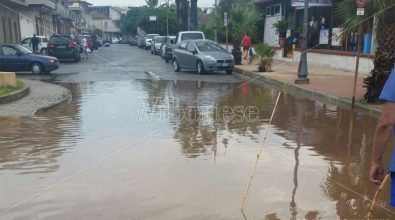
[(42, 45), (63, 47)]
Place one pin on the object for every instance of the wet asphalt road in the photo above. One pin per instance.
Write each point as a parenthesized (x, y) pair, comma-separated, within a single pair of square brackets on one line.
[(172, 146)]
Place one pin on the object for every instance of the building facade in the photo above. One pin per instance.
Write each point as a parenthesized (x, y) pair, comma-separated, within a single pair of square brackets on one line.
[(10, 29), (81, 15), (106, 18)]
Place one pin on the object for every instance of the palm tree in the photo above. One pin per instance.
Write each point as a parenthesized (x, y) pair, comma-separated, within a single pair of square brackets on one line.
[(383, 11), (242, 20), (151, 3), (184, 6), (194, 14)]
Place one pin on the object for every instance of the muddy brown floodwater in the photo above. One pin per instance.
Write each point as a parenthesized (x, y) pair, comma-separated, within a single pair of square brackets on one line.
[(185, 150)]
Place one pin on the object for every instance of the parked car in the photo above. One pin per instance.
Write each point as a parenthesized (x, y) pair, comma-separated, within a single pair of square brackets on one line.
[(115, 40), (167, 48), (202, 56), (189, 35), (133, 41), (63, 47), (17, 58), (156, 43), (148, 39), (42, 45), (124, 41)]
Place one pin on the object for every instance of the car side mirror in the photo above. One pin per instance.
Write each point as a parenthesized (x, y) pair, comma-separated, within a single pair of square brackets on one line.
[(194, 52), (172, 41), (19, 53)]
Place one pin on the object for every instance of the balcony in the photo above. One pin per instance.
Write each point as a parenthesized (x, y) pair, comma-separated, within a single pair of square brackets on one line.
[(62, 11), (43, 3)]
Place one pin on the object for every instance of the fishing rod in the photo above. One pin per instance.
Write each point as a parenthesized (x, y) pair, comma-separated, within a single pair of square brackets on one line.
[(258, 156)]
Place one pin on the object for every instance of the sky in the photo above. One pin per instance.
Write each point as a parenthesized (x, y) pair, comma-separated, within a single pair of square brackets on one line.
[(201, 3)]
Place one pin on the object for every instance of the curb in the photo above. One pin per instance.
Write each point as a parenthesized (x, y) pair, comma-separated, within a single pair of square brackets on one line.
[(310, 94), (66, 96), (16, 95)]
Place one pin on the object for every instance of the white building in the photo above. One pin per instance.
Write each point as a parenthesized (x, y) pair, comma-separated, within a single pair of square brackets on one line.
[(37, 18), (83, 18), (106, 19)]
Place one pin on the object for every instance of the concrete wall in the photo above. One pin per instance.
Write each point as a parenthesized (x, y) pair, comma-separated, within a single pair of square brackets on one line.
[(32, 22), (346, 63)]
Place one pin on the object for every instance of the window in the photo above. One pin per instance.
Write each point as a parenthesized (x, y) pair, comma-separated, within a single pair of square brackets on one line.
[(191, 36), (45, 40), (191, 46), (7, 50), (274, 10), (183, 45), (27, 41)]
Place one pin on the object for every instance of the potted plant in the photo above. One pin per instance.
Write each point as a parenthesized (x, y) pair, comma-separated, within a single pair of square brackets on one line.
[(265, 53), (282, 27)]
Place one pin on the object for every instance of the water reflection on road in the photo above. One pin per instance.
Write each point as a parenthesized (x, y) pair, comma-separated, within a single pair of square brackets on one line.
[(184, 150)]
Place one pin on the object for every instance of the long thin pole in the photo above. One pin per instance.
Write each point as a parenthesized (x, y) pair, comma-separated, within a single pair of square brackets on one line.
[(354, 91), (303, 71), (167, 19), (386, 178), (259, 155)]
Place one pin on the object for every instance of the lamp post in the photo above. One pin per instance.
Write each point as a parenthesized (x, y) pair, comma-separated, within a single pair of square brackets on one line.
[(303, 71)]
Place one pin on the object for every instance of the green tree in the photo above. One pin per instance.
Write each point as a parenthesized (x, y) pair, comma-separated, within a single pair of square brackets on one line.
[(242, 20), (151, 3), (383, 11)]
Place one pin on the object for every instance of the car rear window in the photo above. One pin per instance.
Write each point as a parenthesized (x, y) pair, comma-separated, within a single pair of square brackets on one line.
[(191, 36), (60, 39)]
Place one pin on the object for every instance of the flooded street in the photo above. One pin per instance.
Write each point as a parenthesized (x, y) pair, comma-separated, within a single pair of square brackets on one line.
[(182, 146)]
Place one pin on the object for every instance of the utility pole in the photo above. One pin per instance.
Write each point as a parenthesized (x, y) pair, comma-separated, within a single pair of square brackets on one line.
[(167, 19), (303, 71), (215, 31)]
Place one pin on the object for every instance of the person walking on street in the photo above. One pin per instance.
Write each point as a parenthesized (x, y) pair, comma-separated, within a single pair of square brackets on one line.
[(385, 125), (34, 43), (84, 43), (246, 43)]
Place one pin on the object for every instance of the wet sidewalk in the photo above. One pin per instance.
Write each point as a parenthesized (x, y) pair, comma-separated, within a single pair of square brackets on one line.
[(331, 84)]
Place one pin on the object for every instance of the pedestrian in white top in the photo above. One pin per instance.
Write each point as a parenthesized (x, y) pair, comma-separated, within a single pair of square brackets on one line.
[(84, 43)]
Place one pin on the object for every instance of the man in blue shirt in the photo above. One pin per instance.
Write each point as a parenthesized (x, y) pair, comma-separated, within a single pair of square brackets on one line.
[(385, 126)]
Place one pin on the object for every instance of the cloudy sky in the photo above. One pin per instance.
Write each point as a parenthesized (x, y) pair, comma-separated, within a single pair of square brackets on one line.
[(201, 3)]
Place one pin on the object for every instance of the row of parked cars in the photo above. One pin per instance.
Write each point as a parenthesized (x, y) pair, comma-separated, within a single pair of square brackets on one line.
[(190, 50), (20, 58)]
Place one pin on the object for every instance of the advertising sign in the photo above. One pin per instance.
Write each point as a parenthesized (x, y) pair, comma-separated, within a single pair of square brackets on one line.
[(324, 36), (312, 3), (152, 18), (361, 3), (336, 37), (226, 18)]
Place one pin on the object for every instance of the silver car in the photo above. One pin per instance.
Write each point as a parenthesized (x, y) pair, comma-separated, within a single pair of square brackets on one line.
[(202, 56)]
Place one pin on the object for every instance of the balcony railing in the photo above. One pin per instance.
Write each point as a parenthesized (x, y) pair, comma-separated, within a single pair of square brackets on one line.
[(45, 3)]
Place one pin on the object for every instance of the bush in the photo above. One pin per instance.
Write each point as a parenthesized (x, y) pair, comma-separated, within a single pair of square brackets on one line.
[(265, 53)]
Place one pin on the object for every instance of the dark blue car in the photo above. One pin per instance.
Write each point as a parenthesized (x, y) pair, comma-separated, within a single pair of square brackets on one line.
[(17, 58)]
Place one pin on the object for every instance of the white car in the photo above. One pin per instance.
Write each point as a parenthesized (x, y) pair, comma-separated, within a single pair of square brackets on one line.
[(42, 45)]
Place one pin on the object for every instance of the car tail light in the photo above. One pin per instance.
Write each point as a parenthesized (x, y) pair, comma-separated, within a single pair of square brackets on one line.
[(49, 45)]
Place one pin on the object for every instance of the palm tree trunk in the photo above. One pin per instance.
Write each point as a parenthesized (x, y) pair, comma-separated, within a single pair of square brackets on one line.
[(194, 14), (178, 2), (184, 15), (384, 58)]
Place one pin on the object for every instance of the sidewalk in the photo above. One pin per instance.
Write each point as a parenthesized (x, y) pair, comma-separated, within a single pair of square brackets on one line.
[(326, 84)]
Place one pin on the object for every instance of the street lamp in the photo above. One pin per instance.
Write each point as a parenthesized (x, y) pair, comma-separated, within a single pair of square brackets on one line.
[(303, 71)]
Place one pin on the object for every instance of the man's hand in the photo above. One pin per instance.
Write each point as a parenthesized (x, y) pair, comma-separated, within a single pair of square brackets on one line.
[(376, 173)]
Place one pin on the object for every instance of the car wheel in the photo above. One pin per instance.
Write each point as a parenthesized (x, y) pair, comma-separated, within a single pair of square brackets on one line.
[(229, 72), (36, 68), (44, 52), (200, 67), (176, 66), (77, 58)]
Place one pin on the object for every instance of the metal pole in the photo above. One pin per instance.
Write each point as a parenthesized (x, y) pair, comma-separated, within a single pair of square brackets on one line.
[(226, 29), (357, 65), (303, 71), (167, 19), (215, 30)]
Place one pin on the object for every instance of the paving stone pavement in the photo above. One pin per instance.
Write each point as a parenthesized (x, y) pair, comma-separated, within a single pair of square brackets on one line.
[(42, 95)]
